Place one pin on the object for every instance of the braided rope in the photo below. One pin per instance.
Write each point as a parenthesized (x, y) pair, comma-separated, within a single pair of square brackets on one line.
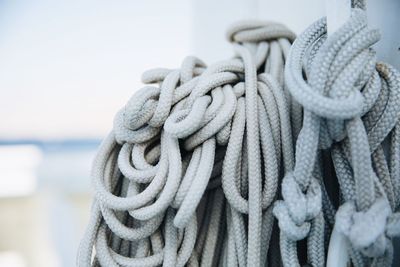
[(190, 170), (189, 175), (350, 106)]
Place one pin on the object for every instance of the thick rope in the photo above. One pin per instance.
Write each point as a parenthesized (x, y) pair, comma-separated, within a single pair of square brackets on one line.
[(192, 166), (350, 107), (190, 173)]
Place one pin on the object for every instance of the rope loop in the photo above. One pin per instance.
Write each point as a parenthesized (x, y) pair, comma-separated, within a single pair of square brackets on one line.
[(332, 90), (178, 140), (347, 101), (145, 113)]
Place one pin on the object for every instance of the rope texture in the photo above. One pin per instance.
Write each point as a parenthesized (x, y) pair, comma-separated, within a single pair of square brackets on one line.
[(191, 172), (191, 168), (350, 108)]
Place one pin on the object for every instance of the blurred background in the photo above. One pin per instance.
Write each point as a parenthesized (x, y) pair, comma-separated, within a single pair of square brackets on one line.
[(66, 67)]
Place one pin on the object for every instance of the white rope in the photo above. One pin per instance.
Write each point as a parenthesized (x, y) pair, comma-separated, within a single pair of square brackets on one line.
[(350, 107), (189, 175), (189, 140)]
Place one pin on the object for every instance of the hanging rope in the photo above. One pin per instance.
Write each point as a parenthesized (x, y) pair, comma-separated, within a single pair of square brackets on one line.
[(192, 166), (190, 173), (350, 108)]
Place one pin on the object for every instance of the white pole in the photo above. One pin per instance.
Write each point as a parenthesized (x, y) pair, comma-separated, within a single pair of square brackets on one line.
[(337, 13)]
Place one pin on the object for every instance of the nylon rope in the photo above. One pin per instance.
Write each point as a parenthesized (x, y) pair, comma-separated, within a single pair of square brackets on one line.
[(190, 171), (235, 163), (350, 109)]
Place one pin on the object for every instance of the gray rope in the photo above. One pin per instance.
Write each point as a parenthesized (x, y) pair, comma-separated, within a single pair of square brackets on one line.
[(189, 175), (197, 146), (350, 107)]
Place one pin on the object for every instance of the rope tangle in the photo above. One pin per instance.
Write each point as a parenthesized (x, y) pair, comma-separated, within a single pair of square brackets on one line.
[(350, 107), (191, 169), (189, 175)]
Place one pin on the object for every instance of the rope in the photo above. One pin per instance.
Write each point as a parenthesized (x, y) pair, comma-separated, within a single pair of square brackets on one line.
[(191, 168), (350, 108), (191, 172)]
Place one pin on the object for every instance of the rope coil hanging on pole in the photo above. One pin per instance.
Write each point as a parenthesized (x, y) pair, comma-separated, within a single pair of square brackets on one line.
[(202, 159), (183, 143)]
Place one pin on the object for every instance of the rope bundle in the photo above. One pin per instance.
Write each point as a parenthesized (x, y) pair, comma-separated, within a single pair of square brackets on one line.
[(193, 169), (350, 108)]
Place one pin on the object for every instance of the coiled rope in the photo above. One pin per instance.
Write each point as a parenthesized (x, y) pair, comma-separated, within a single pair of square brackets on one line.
[(192, 166), (351, 107), (189, 175)]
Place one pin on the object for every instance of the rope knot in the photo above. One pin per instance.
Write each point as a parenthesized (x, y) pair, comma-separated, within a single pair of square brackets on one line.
[(368, 230), (342, 81), (142, 117), (340, 69), (298, 208), (258, 31), (140, 108), (131, 122), (147, 110)]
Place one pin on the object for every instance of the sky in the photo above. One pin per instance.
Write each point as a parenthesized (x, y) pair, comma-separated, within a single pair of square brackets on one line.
[(66, 67)]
